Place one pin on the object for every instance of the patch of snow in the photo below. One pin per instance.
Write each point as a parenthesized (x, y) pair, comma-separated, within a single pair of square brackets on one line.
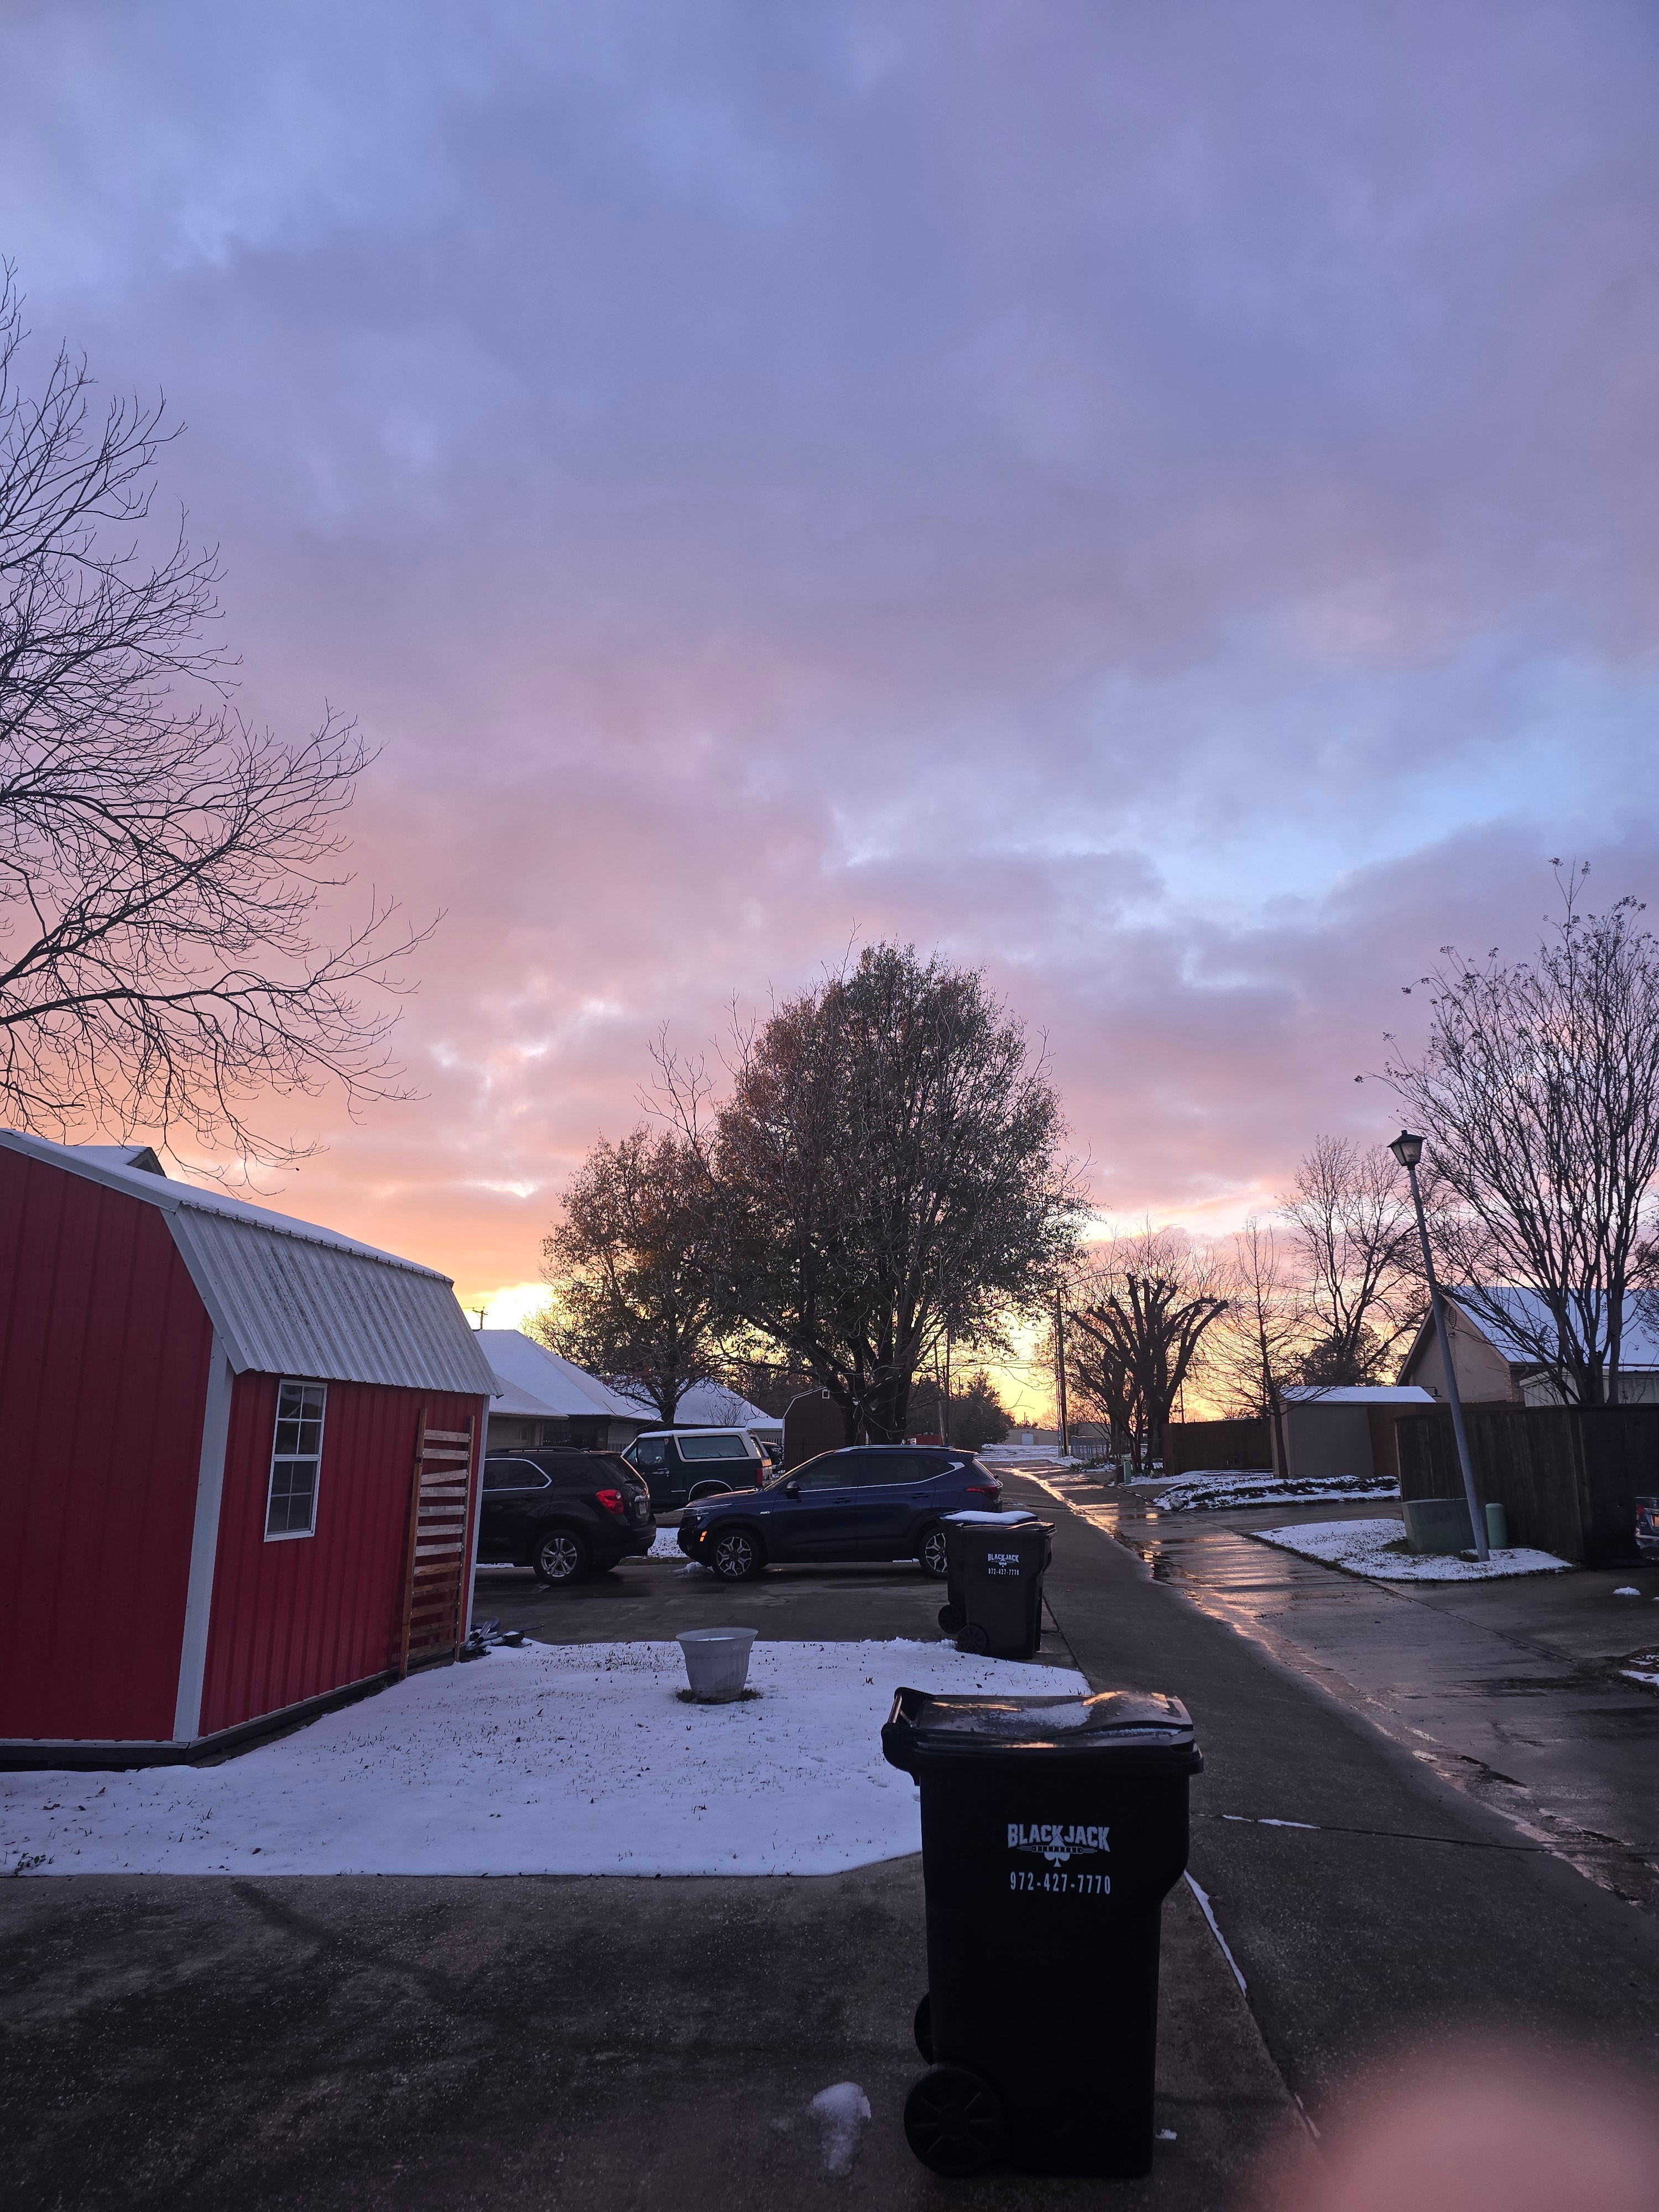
[(666, 1545), (1215, 1490), (1627, 1592), (1015, 1516), (842, 2111), (570, 1758), (1360, 1548)]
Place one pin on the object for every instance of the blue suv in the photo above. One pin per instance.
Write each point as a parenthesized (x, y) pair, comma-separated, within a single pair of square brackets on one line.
[(868, 1501)]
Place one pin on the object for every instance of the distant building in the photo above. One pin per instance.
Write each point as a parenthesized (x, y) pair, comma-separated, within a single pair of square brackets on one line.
[(1493, 1368), (548, 1401)]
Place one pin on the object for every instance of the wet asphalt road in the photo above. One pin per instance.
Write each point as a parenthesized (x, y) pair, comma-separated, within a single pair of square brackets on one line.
[(1391, 1908), (1513, 1688)]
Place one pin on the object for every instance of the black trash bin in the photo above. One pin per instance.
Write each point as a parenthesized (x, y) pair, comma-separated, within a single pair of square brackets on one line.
[(954, 1612), (1052, 1829), (994, 1565)]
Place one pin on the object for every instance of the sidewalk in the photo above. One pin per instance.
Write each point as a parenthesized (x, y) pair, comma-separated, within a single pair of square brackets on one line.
[(362, 2045)]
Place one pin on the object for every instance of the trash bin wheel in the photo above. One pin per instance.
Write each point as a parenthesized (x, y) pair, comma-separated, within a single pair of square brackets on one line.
[(950, 1618), (924, 2028), (953, 2122), (973, 1638)]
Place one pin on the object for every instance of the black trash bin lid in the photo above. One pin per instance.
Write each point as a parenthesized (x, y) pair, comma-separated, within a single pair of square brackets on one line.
[(1134, 1729)]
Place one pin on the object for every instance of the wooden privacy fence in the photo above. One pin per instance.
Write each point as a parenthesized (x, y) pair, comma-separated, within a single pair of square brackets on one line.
[(439, 1528), (1567, 1476), (1203, 1444)]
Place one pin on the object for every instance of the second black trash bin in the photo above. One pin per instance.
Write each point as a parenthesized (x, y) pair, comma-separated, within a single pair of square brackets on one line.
[(995, 1563), (1052, 1829)]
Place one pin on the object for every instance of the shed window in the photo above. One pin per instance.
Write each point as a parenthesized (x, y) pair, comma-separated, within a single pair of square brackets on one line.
[(291, 1508)]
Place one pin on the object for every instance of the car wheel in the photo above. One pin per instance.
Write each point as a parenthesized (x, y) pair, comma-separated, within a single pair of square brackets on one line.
[(737, 1556), (560, 1557), (931, 1551)]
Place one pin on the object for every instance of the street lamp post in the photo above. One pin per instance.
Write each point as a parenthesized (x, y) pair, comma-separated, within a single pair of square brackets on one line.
[(1408, 1151)]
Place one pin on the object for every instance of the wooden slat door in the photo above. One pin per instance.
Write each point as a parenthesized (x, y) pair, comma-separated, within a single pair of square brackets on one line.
[(440, 1523)]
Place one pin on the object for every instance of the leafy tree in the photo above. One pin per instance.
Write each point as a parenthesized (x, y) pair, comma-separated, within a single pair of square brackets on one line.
[(978, 1416), (635, 1300), (887, 1168)]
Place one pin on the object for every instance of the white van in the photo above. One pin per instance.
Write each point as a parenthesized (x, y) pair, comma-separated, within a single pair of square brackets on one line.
[(677, 1465)]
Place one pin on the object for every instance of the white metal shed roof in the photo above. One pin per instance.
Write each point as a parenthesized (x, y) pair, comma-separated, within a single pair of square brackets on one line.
[(1356, 1393), (287, 1298)]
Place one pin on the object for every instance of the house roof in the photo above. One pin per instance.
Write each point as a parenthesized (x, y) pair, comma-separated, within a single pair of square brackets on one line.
[(1393, 1393), (535, 1380), (707, 1406), (288, 1298), (1639, 1341)]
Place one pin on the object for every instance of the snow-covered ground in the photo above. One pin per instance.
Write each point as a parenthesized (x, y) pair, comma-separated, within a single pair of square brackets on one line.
[(1214, 1490), (1361, 1548), (572, 1758)]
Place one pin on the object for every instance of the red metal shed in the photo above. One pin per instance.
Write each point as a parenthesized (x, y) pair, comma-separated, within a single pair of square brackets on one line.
[(239, 1462)]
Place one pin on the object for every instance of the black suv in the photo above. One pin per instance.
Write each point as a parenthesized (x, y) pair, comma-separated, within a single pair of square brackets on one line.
[(868, 1501), (563, 1513)]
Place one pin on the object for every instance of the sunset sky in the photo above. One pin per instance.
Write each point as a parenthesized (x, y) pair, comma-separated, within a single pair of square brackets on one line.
[(1159, 501)]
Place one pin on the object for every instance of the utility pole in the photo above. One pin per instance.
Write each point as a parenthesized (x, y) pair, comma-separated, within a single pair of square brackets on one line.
[(944, 1409), (1060, 1371), (1408, 1150), (481, 1311)]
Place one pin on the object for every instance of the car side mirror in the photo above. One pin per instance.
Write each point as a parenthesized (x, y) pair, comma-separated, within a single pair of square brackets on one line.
[(792, 1488)]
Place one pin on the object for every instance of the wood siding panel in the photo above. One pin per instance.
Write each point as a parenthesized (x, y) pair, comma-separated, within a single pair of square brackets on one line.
[(297, 1617), (104, 1353), (1199, 1446)]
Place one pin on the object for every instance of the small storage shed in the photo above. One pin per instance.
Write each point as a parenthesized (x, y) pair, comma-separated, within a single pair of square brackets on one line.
[(1331, 1433), (240, 1465)]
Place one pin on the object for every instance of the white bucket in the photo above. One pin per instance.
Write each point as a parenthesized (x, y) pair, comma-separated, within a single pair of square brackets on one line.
[(717, 1662)]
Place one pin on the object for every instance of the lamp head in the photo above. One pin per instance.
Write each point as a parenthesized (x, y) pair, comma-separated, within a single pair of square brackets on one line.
[(1406, 1149)]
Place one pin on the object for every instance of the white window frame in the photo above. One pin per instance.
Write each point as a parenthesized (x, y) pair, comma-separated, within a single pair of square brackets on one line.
[(314, 1459)]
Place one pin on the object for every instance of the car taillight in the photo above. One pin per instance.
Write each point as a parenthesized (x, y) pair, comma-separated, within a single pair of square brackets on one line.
[(985, 1490), (612, 1502)]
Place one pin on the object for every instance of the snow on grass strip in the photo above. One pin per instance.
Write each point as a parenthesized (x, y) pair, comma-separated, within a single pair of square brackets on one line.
[(1364, 1547), (576, 1759), (1216, 1491)]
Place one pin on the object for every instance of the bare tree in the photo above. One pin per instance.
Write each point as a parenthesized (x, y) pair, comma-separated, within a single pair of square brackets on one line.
[(1261, 1347), (161, 862), (887, 1168), (635, 1298), (1146, 1305), (1538, 1091), (1350, 1214)]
